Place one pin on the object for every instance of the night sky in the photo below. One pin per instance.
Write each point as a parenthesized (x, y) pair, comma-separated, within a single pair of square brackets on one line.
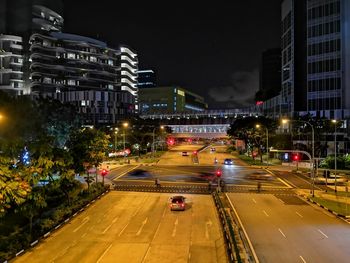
[(212, 49)]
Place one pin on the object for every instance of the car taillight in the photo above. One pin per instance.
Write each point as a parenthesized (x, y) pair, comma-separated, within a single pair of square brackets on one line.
[(182, 205)]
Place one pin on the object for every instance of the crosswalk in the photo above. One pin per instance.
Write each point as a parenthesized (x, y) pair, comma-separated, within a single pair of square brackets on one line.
[(199, 189)]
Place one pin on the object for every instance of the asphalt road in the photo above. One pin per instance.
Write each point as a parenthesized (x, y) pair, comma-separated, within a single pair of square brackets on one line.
[(136, 227), (175, 168), (283, 228)]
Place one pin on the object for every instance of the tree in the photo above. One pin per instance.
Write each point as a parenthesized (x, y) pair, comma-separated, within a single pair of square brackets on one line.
[(88, 148), (35, 201), (245, 129), (14, 189)]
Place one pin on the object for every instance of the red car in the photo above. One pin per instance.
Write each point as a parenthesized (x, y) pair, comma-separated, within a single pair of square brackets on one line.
[(178, 203)]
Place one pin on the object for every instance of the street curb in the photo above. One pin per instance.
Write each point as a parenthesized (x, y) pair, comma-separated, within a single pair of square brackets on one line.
[(37, 241), (324, 207)]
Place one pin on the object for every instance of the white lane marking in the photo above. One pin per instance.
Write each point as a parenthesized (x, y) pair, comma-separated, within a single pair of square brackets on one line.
[(299, 214), (254, 200), (143, 224), (244, 231), (265, 213), (189, 256), (281, 232), (207, 225), (121, 232), (302, 259), (322, 233), (83, 235), (108, 227), (85, 220), (175, 226), (104, 253)]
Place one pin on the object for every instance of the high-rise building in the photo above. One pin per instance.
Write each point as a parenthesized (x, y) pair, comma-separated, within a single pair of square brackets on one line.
[(293, 48), (146, 79), (100, 81), (328, 58), (270, 74), (11, 64)]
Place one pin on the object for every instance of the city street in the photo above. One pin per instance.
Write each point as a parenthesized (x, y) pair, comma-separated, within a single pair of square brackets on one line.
[(136, 227), (283, 228)]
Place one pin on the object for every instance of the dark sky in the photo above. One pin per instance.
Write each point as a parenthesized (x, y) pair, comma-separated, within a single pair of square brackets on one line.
[(212, 49)]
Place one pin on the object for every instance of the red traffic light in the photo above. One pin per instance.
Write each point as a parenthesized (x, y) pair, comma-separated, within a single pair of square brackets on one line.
[(218, 173), (194, 152), (296, 157), (104, 172)]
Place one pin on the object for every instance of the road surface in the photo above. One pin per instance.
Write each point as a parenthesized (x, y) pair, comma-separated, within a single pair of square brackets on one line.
[(283, 228), (136, 227)]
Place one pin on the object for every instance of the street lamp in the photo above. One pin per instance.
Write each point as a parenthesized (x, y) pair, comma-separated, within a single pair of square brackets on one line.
[(153, 133), (125, 125), (284, 121), (267, 142), (115, 138), (335, 155)]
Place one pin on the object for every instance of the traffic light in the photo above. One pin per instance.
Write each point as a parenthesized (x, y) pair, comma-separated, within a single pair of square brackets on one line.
[(195, 152), (104, 172), (218, 173), (296, 157)]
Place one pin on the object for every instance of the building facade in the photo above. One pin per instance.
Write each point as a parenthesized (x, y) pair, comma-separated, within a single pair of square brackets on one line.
[(100, 81), (270, 74), (146, 79), (11, 64), (328, 58), (169, 100)]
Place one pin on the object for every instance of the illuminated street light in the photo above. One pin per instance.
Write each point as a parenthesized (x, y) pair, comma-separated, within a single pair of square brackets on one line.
[(284, 121), (153, 135), (267, 142), (125, 125)]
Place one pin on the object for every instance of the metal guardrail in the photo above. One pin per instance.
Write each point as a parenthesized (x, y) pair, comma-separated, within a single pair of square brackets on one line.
[(233, 251)]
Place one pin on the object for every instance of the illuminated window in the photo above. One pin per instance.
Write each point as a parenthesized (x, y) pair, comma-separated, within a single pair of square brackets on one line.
[(71, 82), (71, 55), (93, 59), (110, 62)]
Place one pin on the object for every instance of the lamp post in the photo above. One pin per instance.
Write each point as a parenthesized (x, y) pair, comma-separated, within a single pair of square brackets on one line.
[(267, 143), (153, 135), (115, 138), (313, 148), (125, 125), (335, 155)]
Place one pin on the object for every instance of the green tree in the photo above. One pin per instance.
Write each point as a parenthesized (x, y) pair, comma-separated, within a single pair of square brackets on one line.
[(245, 129), (88, 148), (35, 201), (14, 189)]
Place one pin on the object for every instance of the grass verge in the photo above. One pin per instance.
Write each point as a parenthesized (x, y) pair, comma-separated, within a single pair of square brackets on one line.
[(336, 206)]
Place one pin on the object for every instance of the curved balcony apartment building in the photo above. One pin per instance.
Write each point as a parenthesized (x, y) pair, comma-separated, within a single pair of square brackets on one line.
[(11, 64), (85, 72), (128, 73)]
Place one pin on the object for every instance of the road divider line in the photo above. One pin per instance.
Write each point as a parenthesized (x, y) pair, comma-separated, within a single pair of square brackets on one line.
[(299, 214), (265, 213), (322, 233), (254, 200), (85, 220), (175, 227), (243, 229), (104, 253), (83, 235), (281, 180), (121, 232), (282, 232), (143, 224), (108, 227), (302, 259)]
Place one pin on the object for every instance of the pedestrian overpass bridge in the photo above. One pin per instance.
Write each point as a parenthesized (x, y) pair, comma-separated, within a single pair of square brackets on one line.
[(203, 124), (209, 131)]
